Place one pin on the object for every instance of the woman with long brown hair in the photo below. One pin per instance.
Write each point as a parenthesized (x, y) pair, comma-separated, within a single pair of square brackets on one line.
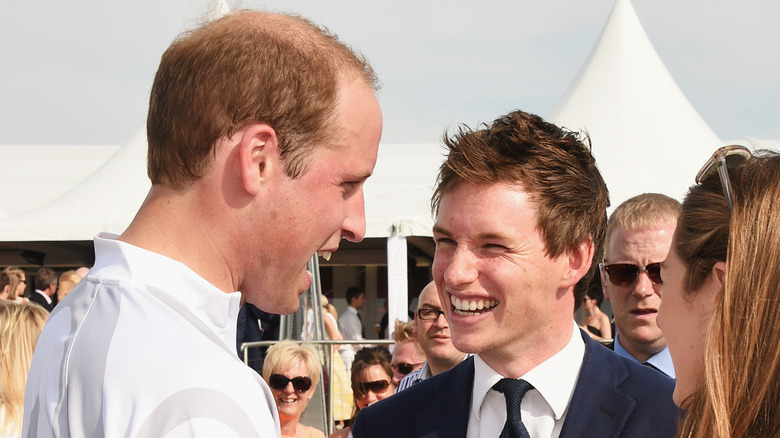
[(720, 313)]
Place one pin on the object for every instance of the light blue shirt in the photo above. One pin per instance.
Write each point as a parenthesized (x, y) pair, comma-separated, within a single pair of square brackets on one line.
[(661, 360)]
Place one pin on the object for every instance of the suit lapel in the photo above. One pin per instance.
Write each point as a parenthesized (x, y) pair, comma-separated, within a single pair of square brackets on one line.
[(448, 414), (598, 407)]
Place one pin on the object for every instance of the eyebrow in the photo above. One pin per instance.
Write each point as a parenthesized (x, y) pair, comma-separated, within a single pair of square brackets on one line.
[(482, 236)]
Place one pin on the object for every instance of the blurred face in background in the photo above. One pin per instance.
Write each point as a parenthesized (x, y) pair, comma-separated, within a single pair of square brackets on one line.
[(406, 358), (373, 384)]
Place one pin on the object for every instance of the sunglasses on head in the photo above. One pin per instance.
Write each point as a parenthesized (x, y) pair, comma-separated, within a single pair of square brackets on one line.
[(405, 368), (720, 161), (624, 274), (279, 382), (377, 386)]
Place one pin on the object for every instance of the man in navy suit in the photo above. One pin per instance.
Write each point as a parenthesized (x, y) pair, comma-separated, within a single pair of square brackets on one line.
[(520, 222)]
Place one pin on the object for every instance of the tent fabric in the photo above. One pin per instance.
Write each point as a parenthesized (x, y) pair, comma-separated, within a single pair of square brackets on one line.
[(37, 174), (397, 196), (105, 201), (646, 135)]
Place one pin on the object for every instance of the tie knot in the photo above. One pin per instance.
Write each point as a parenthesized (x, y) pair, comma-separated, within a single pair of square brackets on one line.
[(513, 389)]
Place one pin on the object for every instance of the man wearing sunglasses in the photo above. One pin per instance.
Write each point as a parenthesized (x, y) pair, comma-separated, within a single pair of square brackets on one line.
[(520, 210), (433, 334), (639, 234)]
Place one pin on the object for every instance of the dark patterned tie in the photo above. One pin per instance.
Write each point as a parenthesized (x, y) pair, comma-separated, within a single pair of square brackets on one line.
[(362, 329), (514, 390)]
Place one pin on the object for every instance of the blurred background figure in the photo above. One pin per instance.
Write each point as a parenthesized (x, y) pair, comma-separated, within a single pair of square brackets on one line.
[(68, 280), (721, 293), (433, 334), (342, 391), (372, 380), (45, 288), (292, 371), (351, 323), (408, 356), (595, 322), (12, 284), (20, 326)]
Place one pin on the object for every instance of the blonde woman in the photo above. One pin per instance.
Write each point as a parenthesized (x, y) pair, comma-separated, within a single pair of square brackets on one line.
[(12, 284), (719, 312), (20, 326), (292, 371), (341, 389), (68, 280)]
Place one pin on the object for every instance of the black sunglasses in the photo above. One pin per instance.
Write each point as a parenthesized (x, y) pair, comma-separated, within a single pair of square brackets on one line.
[(624, 274), (720, 161), (377, 386), (429, 314), (405, 368), (279, 382)]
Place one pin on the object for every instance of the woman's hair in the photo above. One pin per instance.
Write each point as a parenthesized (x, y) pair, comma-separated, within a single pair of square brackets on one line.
[(741, 384), (284, 354), (68, 280), (365, 358), (20, 326), (11, 277)]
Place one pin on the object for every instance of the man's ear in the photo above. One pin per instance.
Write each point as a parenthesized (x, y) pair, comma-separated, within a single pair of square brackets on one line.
[(603, 273), (579, 261), (259, 156)]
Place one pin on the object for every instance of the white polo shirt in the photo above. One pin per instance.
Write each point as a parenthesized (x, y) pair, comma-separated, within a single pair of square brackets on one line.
[(144, 347)]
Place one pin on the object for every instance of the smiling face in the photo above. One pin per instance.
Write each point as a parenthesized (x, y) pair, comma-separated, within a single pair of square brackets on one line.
[(684, 317), (635, 306), (502, 295), (290, 402), (313, 212), (373, 373)]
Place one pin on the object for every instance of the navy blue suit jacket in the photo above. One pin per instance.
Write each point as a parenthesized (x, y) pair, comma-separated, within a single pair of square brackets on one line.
[(614, 397)]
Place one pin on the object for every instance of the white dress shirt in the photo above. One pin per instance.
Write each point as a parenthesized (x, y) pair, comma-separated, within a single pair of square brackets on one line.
[(543, 408)]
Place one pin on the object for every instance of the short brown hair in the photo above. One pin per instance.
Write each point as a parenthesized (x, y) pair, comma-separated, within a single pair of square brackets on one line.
[(44, 278), (642, 211), (247, 67), (554, 167)]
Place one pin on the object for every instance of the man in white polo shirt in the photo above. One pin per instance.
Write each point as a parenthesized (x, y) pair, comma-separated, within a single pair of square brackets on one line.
[(262, 129)]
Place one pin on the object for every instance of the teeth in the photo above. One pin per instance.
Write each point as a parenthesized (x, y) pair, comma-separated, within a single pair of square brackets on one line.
[(325, 254), (465, 308)]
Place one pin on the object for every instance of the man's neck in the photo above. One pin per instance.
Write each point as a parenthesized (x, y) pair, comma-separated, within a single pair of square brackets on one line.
[(640, 352), (438, 367), (154, 229)]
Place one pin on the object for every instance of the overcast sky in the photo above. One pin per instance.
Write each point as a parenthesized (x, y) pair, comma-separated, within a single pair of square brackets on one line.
[(79, 72)]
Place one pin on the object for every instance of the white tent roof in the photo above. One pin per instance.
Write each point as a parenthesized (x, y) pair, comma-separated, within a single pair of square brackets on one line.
[(105, 201), (36, 174), (397, 196), (646, 136)]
